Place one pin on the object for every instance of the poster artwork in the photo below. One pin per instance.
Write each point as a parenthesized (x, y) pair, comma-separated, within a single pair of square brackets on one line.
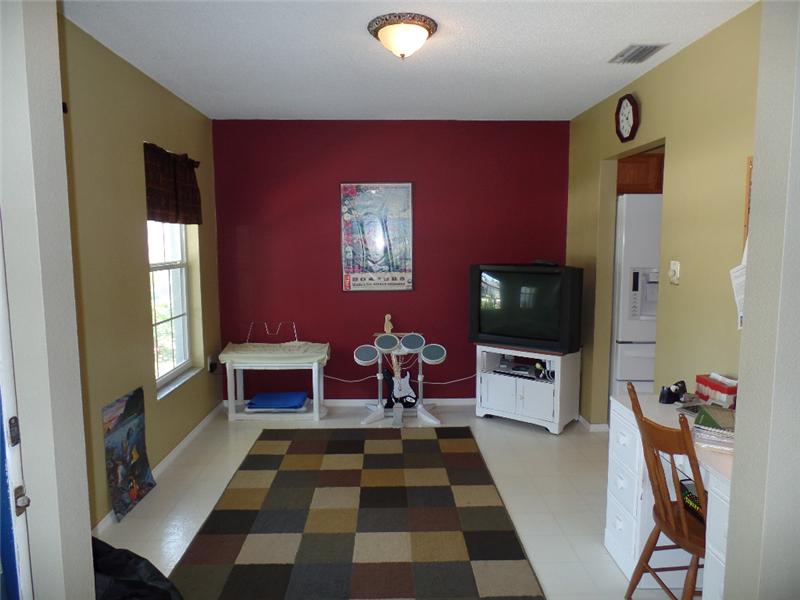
[(127, 467), (376, 236)]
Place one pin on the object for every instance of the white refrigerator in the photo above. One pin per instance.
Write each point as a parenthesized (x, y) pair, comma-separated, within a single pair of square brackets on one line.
[(636, 278)]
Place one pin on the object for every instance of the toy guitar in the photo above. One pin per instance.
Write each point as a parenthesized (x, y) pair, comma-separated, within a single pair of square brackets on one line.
[(401, 385)]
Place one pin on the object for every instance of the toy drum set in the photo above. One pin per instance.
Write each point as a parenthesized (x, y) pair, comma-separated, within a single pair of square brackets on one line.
[(402, 351)]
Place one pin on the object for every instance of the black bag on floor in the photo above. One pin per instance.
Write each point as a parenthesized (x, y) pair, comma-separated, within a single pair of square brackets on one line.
[(122, 575)]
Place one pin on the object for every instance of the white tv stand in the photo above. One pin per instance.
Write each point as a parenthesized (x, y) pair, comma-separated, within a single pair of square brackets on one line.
[(505, 393)]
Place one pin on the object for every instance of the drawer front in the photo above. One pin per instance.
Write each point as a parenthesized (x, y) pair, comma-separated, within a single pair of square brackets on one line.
[(624, 442), (620, 530), (622, 484), (713, 578), (717, 525)]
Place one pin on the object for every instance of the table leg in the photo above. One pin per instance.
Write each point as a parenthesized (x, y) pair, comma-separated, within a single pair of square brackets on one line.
[(231, 391), (315, 385), (322, 410), (240, 387)]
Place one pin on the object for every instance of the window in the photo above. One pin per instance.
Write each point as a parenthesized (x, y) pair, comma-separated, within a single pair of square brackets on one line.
[(166, 244), (527, 296), (490, 292)]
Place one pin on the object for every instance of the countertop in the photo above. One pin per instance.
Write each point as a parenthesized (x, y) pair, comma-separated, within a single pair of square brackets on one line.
[(667, 414)]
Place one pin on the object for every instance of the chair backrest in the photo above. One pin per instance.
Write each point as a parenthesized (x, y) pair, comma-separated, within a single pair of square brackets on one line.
[(662, 444)]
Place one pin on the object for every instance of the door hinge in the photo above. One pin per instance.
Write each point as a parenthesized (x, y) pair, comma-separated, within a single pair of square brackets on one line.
[(21, 501), (13, 431)]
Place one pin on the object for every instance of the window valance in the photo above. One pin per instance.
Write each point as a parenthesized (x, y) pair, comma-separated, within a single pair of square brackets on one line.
[(173, 195)]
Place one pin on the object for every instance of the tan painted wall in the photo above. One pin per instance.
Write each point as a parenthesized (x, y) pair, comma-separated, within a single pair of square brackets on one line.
[(113, 109), (701, 103)]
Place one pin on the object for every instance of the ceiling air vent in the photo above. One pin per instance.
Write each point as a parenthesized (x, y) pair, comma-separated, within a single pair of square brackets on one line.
[(636, 53)]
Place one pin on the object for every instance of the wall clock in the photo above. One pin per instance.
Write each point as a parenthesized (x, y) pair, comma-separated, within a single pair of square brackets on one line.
[(626, 118)]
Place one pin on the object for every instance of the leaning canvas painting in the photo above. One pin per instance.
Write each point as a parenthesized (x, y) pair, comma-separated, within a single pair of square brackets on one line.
[(127, 467)]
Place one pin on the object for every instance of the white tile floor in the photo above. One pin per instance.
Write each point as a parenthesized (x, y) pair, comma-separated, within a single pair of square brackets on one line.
[(554, 488)]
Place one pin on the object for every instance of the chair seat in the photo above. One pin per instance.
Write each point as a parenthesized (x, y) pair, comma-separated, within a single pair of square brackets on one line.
[(695, 542)]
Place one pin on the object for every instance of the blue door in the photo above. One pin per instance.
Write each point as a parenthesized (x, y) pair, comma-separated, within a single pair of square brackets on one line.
[(9, 583), (15, 578)]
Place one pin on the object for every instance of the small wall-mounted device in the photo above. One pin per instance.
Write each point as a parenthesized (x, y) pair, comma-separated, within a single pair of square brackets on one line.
[(674, 272), (211, 363)]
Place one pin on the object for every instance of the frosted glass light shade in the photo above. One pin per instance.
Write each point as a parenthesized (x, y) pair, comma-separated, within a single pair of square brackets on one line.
[(403, 39), (402, 33)]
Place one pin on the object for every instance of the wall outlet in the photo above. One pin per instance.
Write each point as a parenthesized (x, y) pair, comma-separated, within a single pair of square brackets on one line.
[(211, 363), (674, 272)]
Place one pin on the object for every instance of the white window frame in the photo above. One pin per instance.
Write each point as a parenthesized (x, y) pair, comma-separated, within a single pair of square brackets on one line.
[(183, 264)]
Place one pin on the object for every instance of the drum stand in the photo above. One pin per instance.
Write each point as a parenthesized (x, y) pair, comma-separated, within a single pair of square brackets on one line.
[(378, 411)]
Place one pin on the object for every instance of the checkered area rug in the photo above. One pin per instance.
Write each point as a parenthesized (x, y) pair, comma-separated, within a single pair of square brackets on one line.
[(359, 513)]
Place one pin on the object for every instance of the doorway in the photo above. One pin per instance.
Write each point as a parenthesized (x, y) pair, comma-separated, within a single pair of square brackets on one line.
[(637, 254)]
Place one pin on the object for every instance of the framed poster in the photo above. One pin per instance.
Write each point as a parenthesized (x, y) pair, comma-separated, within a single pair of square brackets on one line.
[(376, 236)]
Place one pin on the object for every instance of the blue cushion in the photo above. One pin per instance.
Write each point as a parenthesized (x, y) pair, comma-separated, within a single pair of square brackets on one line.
[(278, 400)]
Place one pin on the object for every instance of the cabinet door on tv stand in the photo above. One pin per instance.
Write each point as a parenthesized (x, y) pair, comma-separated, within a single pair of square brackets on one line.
[(499, 393), (536, 399)]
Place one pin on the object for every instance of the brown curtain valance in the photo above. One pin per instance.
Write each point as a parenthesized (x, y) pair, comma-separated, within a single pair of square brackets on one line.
[(171, 182)]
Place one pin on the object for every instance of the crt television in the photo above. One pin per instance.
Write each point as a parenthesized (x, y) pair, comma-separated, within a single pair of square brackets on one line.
[(536, 306)]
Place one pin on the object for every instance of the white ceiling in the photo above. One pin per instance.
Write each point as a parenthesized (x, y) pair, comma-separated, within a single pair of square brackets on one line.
[(316, 60)]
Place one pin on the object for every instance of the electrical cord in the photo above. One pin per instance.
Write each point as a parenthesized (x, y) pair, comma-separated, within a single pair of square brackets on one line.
[(445, 382), (349, 380), (414, 380), (413, 362)]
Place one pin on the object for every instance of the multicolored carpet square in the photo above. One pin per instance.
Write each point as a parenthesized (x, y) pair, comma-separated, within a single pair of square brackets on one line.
[(359, 514)]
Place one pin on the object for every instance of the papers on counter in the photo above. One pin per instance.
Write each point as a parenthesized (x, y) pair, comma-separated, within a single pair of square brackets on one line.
[(738, 274)]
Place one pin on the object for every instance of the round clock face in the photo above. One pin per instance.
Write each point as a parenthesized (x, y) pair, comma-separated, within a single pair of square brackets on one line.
[(627, 118)]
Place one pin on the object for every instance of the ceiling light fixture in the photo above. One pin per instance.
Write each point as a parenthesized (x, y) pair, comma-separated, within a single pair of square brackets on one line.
[(402, 34)]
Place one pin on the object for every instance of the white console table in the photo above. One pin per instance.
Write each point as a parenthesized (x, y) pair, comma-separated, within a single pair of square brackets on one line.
[(549, 403), (238, 358), (629, 509)]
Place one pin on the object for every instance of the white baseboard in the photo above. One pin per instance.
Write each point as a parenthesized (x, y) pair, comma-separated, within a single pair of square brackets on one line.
[(359, 402), (109, 519), (167, 460), (104, 524), (593, 427), (342, 402)]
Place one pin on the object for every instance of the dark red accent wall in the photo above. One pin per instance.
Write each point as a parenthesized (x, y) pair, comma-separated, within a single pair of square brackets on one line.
[(482, 192)]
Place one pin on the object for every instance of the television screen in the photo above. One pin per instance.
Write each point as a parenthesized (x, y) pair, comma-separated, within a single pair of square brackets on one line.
[(521, 305)]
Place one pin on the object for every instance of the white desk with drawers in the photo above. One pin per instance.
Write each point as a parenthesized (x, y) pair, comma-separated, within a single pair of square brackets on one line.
[(629, 510)]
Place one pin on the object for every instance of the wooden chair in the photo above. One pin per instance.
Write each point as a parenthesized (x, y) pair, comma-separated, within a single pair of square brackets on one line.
[(662, 444)]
